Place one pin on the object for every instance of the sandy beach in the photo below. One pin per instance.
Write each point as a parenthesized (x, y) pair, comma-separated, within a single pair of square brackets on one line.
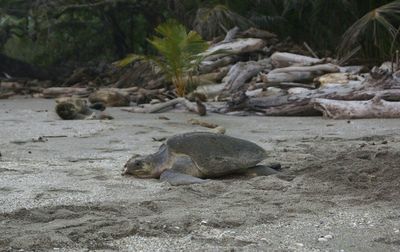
[(61, 187)]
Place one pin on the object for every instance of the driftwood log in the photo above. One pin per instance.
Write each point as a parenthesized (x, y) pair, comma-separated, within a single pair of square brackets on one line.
[(241, 72), (55, 92), (11, 85), (209, 78), (300, 103), (282, 59), (298, 73), (208, 66), (210, 91), (373, 108), (238, 46), (161, 107)]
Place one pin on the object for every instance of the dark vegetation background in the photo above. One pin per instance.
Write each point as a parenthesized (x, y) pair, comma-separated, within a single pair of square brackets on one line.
[(70, 33)]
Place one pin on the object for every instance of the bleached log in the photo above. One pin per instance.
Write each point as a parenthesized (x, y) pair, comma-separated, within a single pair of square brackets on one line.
[(299, 103), (209, 66), (209, 78), (55, 92), (7, 85), (335, 78), (283, 59), (287, 77), (282, 85), (373, 108), (241, 72), (298, 73), (238, 46), (254, 92), (165, 106), (210, 91), (127, 90), (353, 69), (325, 68), (230, 35)]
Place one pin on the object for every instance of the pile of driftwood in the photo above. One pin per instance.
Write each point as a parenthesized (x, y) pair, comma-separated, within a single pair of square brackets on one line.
[(248, 72)]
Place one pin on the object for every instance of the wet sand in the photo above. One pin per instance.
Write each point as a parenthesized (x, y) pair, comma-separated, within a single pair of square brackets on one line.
[(61, 188)]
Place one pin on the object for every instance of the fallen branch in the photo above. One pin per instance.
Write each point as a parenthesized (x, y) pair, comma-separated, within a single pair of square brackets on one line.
[(230, 35), (202, 123), (310, 50)]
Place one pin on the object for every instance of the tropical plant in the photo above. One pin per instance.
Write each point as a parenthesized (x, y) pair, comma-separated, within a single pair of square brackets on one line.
[(376, 32), (180, 52)]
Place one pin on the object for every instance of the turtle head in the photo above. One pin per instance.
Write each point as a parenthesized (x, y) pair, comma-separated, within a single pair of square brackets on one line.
[(139, 167)]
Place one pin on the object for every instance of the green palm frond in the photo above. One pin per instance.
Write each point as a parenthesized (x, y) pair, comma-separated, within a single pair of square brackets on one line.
[(374, 32), (130, 58)]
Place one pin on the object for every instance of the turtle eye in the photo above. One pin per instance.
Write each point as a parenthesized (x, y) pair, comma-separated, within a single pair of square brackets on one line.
[(137, 163)]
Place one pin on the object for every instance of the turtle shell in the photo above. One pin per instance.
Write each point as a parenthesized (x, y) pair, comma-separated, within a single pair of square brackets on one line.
[(215, 154)]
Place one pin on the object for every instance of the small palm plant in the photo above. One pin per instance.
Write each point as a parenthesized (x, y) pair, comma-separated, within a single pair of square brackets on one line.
[(180, 53)]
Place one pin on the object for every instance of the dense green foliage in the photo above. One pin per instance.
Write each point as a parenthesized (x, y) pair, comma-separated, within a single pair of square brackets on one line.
[(60, 31)]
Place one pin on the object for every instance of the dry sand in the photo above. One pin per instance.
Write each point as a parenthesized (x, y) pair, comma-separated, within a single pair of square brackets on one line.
[(338, 190)]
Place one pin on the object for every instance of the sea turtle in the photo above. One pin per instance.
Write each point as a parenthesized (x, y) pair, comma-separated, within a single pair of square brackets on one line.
[(74, 108), (193, 157)]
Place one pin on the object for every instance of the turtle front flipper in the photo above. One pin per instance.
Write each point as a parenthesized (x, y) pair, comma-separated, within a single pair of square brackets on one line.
[(176, 178)]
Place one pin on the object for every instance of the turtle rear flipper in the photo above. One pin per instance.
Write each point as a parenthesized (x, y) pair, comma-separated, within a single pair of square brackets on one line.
[(176, 178), (261, 170)]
